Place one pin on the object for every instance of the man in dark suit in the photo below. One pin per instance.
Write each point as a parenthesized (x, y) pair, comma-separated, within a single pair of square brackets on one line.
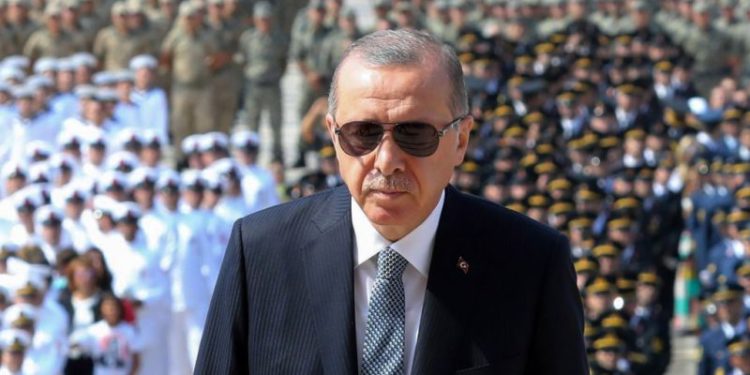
[(311, 287)]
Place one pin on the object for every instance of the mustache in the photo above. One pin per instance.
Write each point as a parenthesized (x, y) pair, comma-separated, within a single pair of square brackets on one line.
[(379, 182)]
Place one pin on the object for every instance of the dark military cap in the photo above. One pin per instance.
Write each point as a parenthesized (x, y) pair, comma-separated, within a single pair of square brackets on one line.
[(546, 167), (538, 201), (562, 208), (743, 193), (586, 265), (609, 342), (608, 250), (598, 285), (469, 166), (580, 223), (622, 223), (739, 345), (743, 269), (516, 206), (727, 291), (625, 286), (738, 217), (614, 321), (732, 115), (327, 152), (559, 184), (626, 203), (649, 278)]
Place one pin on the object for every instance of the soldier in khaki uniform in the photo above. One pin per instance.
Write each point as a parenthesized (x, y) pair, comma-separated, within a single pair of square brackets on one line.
[(115, 45), (437, 20), (51, 41), (742, 46), (227, 79), (164, 19), (708, 47), (727, 18), (89, 18), (264, 63), (308, 33), (555, 21), (20, 21), (338, 41), (83, 38), (333, 13), (306, 41), (144, 31), (7, 37), (188, 51)]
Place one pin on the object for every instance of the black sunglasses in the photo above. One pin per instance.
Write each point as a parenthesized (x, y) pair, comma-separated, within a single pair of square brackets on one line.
[(418, 139)]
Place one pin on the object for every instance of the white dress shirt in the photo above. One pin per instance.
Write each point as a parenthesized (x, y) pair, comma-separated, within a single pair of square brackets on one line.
[(416, 248)]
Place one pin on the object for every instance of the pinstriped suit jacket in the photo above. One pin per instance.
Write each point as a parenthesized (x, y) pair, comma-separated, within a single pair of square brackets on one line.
[(284, 300)]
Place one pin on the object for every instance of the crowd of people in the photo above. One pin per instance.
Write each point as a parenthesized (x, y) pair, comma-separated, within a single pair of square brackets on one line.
[(129, 146)]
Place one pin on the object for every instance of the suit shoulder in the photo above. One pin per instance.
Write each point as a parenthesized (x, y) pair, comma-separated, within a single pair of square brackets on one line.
[(285, 214)]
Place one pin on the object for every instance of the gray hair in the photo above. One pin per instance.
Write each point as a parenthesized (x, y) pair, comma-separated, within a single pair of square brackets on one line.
[(406, 47)]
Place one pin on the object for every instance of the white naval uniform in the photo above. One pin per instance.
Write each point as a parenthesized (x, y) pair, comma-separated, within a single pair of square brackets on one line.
[(190, 264), (258, 187), (152, 104), (25, 130), (137, 274), (111, 348)]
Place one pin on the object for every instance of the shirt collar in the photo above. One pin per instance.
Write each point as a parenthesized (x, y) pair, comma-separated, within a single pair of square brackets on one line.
[(415, 247)]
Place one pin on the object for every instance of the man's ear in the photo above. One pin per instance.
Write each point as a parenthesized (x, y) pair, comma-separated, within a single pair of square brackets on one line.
[(331, 126), (464, 131)]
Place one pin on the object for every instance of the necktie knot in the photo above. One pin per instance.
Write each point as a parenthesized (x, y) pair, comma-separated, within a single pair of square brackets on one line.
[(391, 264)]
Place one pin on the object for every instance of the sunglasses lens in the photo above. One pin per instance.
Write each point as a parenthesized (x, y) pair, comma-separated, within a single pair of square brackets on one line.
[(416, 138), (359, 138)]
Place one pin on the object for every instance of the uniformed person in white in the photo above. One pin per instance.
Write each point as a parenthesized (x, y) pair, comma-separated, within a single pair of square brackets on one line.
[(139, 277)]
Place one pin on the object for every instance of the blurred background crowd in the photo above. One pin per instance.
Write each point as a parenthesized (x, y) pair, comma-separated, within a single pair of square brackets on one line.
[(129, 144)]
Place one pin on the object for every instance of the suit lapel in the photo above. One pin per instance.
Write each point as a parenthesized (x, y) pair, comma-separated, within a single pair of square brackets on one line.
[(329, 274), (450, 291)]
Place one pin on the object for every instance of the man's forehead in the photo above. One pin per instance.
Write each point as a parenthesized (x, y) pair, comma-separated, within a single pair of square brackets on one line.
[(395, 89)]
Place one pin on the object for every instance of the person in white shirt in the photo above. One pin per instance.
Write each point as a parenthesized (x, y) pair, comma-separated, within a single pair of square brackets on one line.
[(14, 343), (192, 267), (151, 100), (95, 115), (99, 222), (126, 111), (258, 185), (14, 177), (113, 343), (232, 204), (151, 151), (26, 201), (138, 276), (72, 200), (94, 153), (65, 102), (27, 125), (50, 235)]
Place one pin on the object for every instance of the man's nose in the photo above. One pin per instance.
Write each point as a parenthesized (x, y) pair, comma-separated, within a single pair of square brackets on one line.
[(389, 158)]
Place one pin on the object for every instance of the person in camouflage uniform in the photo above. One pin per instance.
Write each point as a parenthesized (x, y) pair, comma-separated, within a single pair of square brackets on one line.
[(7, 36), (226, 82), (115, 45), (83, 38), (189, 52), (264, 65), (308, 33), (52, 40), (708, 47), (20, 22)]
